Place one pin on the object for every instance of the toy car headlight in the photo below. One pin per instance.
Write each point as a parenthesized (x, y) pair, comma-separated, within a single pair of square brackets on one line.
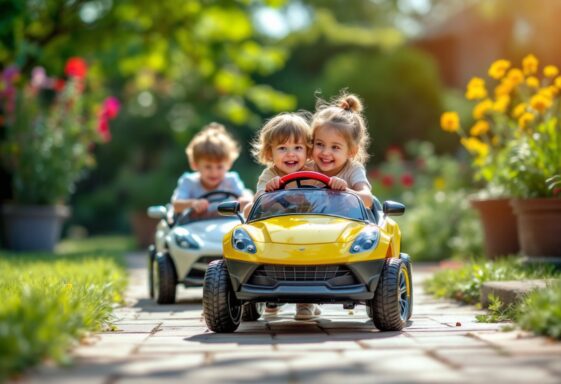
[(365, 241), (185, 239), (242, 242)]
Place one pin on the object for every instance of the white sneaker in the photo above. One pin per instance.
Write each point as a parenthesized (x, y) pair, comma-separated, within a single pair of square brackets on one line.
[(306, 311)]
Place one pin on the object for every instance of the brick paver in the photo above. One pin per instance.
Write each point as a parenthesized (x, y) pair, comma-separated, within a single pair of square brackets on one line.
[(171, 344)]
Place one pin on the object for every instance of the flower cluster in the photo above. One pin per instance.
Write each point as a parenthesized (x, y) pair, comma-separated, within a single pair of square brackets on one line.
[(50, 128), (515, 137)]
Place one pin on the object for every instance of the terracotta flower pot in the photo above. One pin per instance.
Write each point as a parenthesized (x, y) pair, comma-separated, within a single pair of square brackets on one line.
[(499, 227), (143, 228), (539, 226)]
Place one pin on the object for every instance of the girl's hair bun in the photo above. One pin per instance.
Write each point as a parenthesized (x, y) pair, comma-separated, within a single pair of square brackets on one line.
[(350, 103)]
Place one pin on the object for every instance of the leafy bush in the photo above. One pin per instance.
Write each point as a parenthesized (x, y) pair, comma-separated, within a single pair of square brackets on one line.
[(540, 312), (434, 190), (51, 300), (464, 283)]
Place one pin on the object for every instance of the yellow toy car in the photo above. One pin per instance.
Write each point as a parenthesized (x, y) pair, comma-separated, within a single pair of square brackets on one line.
[(310, 245)]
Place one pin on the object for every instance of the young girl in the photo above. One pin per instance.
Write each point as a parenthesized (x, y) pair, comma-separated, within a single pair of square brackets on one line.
[(283, 146), (339, 139)]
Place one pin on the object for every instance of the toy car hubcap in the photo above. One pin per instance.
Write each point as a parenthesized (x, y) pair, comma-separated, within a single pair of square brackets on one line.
[(155, 278), (404, 293)]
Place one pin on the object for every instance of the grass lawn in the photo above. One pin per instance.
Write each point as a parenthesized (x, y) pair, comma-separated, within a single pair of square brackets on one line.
[(539, 312), (51, 300)]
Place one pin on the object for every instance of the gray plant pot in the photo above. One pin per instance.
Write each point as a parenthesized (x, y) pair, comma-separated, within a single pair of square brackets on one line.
[(33, 227)]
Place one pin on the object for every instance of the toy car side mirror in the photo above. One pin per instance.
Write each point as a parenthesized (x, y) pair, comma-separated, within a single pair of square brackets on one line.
[(393, 208), (157, 212), (230, 208)]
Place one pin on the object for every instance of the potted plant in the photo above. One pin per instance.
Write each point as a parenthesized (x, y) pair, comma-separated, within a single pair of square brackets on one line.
[(516, 145), (50, 131)]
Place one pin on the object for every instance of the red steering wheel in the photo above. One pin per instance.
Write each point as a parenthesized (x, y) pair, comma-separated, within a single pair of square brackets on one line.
[(304, 175)]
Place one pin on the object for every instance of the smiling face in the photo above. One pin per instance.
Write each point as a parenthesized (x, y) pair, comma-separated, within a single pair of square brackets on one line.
[(212, 172), (330, 151), (289, 156)]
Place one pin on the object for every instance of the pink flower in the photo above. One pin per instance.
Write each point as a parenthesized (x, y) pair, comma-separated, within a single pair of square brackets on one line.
[(39, 77), (103, 129), (111, 107), (76, 67)]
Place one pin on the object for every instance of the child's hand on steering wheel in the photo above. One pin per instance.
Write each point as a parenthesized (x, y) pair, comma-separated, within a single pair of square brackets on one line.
[(273, 184), (200, 205), (338, 183)]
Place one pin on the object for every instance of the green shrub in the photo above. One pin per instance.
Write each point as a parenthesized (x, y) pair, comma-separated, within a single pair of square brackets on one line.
[(464, 283), (540, 312), (51, 300)]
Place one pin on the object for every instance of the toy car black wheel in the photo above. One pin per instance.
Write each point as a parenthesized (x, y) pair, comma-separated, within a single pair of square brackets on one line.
[(252, 311), (222, 310), (164, 280), (391, 304), (151, 258)]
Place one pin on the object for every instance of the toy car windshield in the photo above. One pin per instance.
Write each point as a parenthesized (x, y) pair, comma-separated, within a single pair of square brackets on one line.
[(308, 202)]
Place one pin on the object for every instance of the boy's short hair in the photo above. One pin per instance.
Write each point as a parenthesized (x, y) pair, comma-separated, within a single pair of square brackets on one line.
[(280, 129), (212, 143)]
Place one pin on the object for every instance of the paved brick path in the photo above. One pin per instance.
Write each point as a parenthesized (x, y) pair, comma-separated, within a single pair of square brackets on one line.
[(170, 344)]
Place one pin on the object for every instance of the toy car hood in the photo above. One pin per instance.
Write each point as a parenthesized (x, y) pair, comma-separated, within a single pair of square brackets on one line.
[(305, 229)]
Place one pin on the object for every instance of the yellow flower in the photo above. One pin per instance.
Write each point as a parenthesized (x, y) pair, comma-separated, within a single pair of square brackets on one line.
[(499, 68), (548, 92), (519, 110), (496, 140), (439, 183), (450, 122), (476, 89), (515, 76), (540, 102), (532, 82), (68, 285), (558, 82), (475, 146), (530, 64), (479, 128), (550, 71), (501, 104), (482, 108), (504, 88), (525, 119)]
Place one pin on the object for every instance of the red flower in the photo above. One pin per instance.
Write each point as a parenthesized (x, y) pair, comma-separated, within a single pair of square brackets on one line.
[(103, 129), (387, 181), (58, 85), (394, 151), (407, 180), (76, 67)]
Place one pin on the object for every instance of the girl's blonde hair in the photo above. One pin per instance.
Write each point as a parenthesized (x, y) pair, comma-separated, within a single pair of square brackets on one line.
[(212, 143), (280, 129), (344, 114)]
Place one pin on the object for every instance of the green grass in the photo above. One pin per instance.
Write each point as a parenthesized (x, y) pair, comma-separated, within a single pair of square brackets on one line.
[(464, 283), (539, 312), (49, 301)]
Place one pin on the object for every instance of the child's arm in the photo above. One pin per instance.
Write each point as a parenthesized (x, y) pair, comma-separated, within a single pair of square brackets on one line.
[(363, 191), (198, 205)]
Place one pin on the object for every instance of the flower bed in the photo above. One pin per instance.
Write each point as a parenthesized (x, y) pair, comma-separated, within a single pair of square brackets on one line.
[(50, 301)]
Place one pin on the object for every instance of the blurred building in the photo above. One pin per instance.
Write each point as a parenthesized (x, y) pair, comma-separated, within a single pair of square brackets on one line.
[(467, 41)]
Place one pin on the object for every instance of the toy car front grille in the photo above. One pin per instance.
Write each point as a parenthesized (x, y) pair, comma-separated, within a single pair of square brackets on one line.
[(332, 274)]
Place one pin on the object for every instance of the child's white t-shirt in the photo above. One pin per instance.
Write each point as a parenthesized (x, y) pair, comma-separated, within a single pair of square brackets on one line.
[(189, 186)]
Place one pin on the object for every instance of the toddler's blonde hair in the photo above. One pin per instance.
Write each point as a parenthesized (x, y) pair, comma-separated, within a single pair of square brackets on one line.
[(212, 143), (344, 114), (278, 130)]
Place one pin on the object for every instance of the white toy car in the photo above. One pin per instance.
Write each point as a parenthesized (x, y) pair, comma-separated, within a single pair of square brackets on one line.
[(184, 245)]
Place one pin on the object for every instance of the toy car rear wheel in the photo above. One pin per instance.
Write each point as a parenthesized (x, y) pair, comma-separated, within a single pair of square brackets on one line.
[(391, 304), (252, 311), (222, 310), (164, 279)]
